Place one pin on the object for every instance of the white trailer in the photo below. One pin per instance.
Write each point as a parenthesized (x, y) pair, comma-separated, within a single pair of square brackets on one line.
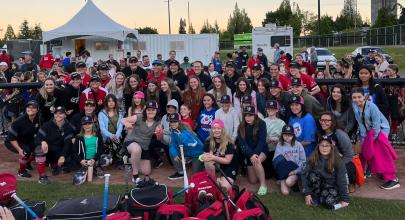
[(265, 38), (196, 46)]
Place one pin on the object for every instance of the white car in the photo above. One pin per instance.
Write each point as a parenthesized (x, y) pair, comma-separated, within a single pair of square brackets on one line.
[(324, 55), (364, 51)]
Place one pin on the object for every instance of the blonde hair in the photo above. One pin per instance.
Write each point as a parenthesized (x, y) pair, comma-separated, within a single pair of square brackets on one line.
[(42, 90), (112, 85), (223, 142)]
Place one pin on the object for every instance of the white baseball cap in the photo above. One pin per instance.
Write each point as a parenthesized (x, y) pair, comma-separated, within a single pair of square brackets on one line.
[(3, 64)]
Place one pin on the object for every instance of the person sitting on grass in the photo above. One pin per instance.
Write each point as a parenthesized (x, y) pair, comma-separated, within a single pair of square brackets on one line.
[(219, 149), (252, 141), (289, 159), (88, 146), (181, 134), (324, 178)]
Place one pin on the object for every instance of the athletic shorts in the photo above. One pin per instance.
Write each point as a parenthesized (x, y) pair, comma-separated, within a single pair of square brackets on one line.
[(145, 155)]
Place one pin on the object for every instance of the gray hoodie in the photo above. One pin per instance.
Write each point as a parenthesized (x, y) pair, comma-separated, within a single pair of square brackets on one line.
[(165, 124)]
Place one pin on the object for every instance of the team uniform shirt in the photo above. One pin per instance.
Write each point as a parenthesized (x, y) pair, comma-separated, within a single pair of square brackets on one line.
[(205, 80), (158, 79), (105, 82), (305, 130), (285, 82), (97, 96), (46, 61), (24, 131), (72, 97), (85, 79), (46, 106), (307, 82), (217, 65), (230, 169), (204, 123)]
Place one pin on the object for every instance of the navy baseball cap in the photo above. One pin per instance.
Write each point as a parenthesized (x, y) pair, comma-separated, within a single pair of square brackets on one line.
[(225, 99), (247, 99), (174, 62), (297, 99), (325, 138), (295, 66), (75, 75), (80, 64), (249, 110), (60, 109), (103, 66), (94, 78), (186, 58), (257, 66), (156, 62), (133, 59), (259, 49), (272, 104), (173, 117), (287, 129), (152, 104), (296, 82), (87, 120), (274, 83), (230, 64), (32, 103)]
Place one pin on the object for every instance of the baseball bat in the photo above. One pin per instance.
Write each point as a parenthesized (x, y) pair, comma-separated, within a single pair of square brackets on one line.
[(192, 185), (107, 181), (224, 194), (183, 163), (32, 213)]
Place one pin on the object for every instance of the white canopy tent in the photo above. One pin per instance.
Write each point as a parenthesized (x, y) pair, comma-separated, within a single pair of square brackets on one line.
[(90, 21)]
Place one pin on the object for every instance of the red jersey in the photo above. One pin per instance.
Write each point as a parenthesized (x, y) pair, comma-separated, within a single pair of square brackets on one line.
[(189, 121), (98, 96), (308, 82), (5, 58), (85, 79), (105, 82), (285, 82), (46, 61), (252, 62), (158, 79)]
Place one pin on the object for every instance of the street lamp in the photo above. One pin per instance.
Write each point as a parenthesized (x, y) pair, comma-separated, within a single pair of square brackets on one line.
[(168, 12)]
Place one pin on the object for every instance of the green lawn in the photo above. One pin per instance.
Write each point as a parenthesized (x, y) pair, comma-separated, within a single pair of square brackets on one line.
[(397, 53), (281, 207)]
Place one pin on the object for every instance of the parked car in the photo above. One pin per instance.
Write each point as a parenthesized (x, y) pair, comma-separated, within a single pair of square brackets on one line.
[(324, 55), (364, 52)]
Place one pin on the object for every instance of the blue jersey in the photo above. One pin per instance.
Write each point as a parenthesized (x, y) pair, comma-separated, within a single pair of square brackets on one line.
[(204, 123), (305, 130)]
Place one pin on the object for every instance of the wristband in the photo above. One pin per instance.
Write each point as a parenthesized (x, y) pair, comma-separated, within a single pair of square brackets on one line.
[(200, 158)]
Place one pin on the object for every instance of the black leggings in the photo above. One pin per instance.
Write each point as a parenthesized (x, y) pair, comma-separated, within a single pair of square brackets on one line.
[(154, 148), (351, 172)]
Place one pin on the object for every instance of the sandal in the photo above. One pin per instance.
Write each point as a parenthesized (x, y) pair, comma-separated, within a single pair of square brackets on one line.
[(262, 191)]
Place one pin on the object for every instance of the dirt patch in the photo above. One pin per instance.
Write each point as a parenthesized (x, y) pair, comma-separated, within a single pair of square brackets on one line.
[(9, 163)]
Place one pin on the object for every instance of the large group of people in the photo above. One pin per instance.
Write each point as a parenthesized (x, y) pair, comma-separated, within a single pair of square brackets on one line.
[(246, 115)]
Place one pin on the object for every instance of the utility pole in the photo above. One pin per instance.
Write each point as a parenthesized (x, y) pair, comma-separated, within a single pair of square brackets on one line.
[(319, 18), (168, 12), (188, 13)]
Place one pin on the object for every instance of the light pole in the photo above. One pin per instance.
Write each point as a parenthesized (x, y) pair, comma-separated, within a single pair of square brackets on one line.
[(168, 12)]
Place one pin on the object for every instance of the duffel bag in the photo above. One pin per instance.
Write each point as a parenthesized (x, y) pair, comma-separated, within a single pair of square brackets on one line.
[(88, 208), (144, 202), (172, 212), (248, 200), (250, 214), (20, 213), (119, 216), (216, 211)]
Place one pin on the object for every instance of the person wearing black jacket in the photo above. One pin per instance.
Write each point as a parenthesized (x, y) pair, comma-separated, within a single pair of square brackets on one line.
[(53, 142), (283, 99), (231, 76), (133, 68), (21, 136), (48, 98), (177, 74), (89, 110), (72, 93), (205, 80), (88, 146)]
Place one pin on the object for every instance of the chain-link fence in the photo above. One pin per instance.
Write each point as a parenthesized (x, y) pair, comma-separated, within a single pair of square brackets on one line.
[(385, 36)]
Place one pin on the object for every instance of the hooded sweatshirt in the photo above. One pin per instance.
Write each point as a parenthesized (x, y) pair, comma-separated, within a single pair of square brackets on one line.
[(165, 124), (231, 121)]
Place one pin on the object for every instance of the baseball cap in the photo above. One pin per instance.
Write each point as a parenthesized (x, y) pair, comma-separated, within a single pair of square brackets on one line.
[(325, 138), (156, 62), (257, 66), (90, 102), (294, 66), (103, 66), (249, 110), (173, 117), (174, 62), (139, 95), (3, 64), (287, 129), (259, 49), (230, 64), (247, 99), (225, 99), (186, 58), (32, 103), (272, 104), (133, 60), (297, 99), (152, 104), (80, 64), (60, 109), (296, 82), (94, 78), (218, 122), (275, 83), (27, 52), (75, 75), (87, 120)]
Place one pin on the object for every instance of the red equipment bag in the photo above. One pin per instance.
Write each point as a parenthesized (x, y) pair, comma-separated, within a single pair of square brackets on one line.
[(202, 183), (216, 211), (8, 183), (193, 218), (249, 200), (119, 216), (172, 212), (250, 214)]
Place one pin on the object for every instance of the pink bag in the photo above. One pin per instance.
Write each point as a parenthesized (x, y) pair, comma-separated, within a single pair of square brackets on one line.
[(367, 151)]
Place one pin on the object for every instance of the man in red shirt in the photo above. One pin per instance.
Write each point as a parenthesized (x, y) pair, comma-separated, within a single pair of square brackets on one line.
[(104, 75), (4, 57), (95, 92), (310, 69), (47, 61), (156, 72), (307, 81), (275, 75), (82, 69)]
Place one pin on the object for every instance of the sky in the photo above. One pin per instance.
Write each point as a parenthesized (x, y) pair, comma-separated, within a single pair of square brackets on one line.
[(51, 14)]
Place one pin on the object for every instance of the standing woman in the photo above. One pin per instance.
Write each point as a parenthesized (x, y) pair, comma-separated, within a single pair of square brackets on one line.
[(131, 85), (252, 141), (116, 87), (139, 138), (262, 95), (219, 88), (110, 120), (21, 137), (339, 103), (193, 95), (168, 91), (373, 91), (369, 117), (207, 115), (48, 98), (242, 89), (324, 177), (53, 142), (303, 123), (138, 104)]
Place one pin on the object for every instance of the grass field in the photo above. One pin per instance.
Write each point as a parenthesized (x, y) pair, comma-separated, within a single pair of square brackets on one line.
[(397, 53), (281, 207)]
